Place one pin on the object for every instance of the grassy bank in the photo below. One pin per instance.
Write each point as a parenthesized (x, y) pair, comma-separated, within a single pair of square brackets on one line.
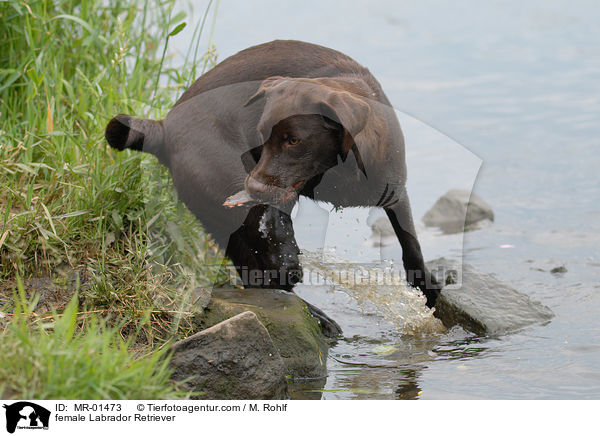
[(74, 215), (59, 359)]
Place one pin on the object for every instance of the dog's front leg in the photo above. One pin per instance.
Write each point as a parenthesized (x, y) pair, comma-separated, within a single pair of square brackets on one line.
[(417, 275), (265, 254), (264, 250)]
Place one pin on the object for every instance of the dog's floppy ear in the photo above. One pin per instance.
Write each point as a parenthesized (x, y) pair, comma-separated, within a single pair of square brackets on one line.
[(349, 110)]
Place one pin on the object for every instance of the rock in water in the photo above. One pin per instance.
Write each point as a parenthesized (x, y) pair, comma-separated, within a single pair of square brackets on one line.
[(481, 303), (294, 331), (458, 210), (234, 359)]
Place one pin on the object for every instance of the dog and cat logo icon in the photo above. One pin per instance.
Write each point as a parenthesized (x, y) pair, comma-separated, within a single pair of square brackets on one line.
[(26, 415)]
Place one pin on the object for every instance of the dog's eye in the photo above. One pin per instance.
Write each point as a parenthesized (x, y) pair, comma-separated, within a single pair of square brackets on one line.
[(292, 140)]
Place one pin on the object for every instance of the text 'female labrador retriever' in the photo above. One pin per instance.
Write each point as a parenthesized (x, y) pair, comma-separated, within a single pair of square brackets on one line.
[(273, 122)]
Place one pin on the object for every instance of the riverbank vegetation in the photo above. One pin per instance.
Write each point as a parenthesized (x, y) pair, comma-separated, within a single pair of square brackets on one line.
[(98, 259)]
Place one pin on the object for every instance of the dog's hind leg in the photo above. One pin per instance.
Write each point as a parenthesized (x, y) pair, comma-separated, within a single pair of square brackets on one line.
[(400, 216)]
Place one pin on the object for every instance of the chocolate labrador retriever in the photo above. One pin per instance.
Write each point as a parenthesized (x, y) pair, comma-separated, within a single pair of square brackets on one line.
[(273, 122)]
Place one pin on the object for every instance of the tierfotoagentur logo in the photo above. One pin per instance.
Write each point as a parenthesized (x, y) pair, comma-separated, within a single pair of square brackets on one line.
[(26, 415)]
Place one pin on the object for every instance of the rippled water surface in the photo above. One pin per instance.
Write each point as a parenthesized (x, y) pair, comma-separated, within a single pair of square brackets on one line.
[(501, 97)]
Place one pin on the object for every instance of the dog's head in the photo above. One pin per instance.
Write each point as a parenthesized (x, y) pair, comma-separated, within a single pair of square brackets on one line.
[(305, 126)]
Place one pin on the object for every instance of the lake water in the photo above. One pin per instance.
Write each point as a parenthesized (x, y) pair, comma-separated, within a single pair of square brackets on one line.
[(499, 97)]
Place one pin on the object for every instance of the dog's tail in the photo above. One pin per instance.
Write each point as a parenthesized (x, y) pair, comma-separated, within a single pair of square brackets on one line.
[(125, 131)]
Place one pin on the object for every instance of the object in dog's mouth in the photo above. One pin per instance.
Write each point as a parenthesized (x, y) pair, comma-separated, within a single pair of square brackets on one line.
[(243, 198), (239, 199)]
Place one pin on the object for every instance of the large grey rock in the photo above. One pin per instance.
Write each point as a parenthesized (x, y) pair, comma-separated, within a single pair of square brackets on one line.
[(294, 331), (234, 359), (481, 303), (458, 210)]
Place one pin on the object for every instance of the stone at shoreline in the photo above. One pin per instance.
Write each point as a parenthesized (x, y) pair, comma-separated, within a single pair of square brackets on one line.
[(481, 303), (294, 331), (234, 359), (458, 210)]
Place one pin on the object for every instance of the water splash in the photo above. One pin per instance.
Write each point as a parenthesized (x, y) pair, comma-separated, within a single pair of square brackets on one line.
[(378, 286)]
